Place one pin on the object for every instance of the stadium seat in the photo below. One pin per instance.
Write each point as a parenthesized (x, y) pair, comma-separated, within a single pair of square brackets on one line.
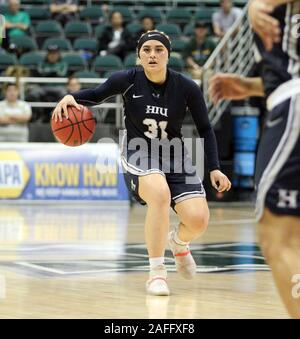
[(125, 11), (91, 14), (130, 61), (134, 28), (86, 74), (37, 13), (172, 30), (47, 29), (179, 16), (204, 14), (36, 2), (31, 60), (25, 43), (176, 63), (3, 9), (125, 2), (188, 30), (62, 43), (7, 60), (152, 12), (154, 3), (75, 62), (178, 45), (107, 63), (77, 29), (86, 44), (99, 30)]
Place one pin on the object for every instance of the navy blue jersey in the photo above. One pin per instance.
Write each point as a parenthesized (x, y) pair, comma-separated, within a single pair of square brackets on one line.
[(151, 113), (282, 63)]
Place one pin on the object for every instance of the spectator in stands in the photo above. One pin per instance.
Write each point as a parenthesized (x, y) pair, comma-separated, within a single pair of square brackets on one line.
[(63, 10), (73, 85), (53, 66), (16, 22), (147, 25), (116, 39), (225, 17), (14, 116), (105, 9), (198, 50)]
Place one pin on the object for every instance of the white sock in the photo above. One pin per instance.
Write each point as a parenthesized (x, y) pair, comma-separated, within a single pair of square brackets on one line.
[(178, 241), (154, 262)]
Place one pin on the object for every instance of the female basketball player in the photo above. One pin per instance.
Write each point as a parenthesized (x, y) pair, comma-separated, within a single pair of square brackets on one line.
[(155, 102), (276, 24)]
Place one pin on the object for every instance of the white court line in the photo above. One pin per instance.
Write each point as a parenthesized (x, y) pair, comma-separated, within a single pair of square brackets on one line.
[(65, 247), (215, 222), (39, 268)]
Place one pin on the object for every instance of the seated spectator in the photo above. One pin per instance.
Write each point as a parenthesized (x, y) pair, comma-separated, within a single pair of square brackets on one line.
[(14, 116), (105, 10), (116, 39), (52, 66), (147, 25), (225, 18), (64, 10), (16, 22), (198, 50)]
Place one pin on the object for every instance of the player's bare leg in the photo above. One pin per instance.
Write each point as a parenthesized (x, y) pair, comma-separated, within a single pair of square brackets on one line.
[(194, 217), (154, 190), (280, 243)]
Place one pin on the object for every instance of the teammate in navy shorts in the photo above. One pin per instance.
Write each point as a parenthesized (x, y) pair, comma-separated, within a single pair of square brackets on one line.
[(277, 27), (155, 102)]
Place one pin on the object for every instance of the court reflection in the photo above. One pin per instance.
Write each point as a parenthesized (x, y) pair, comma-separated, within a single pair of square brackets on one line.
[(62, 232)]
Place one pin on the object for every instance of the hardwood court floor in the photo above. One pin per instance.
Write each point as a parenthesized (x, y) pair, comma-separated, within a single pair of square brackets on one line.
[(89, 261)]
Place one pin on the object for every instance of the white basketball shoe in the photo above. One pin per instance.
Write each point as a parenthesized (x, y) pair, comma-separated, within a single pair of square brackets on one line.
[(157, 283), (185, 263)]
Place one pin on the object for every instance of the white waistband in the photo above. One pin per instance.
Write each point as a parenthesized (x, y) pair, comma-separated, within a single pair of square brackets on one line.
[(283, 93)]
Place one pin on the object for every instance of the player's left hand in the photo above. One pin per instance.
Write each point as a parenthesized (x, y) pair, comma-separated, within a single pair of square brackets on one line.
[(220, 181), (267, 27)]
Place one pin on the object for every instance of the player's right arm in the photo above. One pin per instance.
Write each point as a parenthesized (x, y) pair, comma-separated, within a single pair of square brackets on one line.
[(227, 86), (115, 84)]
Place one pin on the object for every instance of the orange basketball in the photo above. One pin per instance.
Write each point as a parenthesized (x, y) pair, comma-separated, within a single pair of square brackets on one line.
[(77, 130)]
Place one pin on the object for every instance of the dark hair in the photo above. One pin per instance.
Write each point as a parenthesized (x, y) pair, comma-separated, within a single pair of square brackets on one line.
[(200, 24), (112, 13), (147, 17)]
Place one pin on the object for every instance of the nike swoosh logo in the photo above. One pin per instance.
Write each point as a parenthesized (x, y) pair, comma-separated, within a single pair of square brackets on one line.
[(137, 96), (273, 123), (150, 35)]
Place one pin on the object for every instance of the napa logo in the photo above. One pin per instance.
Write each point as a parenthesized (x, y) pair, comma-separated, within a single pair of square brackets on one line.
[(14, 175)]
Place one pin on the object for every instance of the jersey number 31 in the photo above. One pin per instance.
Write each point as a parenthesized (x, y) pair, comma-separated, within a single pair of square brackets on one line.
[(153, 127)]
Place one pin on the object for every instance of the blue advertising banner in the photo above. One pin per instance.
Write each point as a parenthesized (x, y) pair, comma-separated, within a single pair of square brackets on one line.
[(37, 171)]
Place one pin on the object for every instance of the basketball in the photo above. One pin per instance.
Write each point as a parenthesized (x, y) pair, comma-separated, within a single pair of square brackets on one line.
[(77, 130)]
